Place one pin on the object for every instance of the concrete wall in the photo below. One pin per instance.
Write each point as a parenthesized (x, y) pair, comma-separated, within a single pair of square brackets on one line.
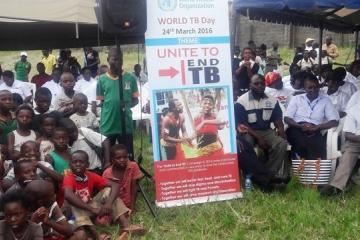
[(285, 35)]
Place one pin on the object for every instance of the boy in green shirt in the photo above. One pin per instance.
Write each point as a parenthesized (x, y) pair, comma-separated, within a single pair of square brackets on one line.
[(22, 68), (108, 93)]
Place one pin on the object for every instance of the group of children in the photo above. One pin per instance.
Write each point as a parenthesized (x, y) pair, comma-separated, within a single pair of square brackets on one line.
[(54, 182)]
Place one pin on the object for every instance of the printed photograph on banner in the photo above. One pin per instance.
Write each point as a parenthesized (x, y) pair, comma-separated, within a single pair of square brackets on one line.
[(193, 123)]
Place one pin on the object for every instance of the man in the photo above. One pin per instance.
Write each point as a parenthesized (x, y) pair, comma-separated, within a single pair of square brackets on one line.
[(330, 48), (87, 85), (141, 77), (41, 78), (275, 88), (236, 59), (111, 123), (49, 61), (15, 86), (350, 154), (172, 123), (54, 85), (257, 111), (92, 60), (22, 68), (307, 115)]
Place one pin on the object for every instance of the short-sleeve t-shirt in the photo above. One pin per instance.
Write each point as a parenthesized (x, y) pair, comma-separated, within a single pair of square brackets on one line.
[(22, 69), (108, 91), (6, 126), (33, 231), (132, 172), (84, 188)]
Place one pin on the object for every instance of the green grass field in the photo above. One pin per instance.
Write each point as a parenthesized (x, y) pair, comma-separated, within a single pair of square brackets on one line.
[(297, 213)]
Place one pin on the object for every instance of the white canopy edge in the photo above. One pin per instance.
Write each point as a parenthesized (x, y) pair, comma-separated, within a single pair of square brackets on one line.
[(80, 11)]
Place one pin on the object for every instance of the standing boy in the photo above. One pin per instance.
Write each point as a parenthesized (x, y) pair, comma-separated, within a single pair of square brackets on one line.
[(108, 93), (41, 78)]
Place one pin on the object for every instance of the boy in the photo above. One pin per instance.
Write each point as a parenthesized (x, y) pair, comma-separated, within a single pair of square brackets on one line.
[(47, 212), (16, 225), (88, 140), (108, 93), (64, 101), (79, 185), (125, 173), (24, 173), (7, 123), (82, 117), (41, 78), (87, 85), (15, 86), (54, 85)]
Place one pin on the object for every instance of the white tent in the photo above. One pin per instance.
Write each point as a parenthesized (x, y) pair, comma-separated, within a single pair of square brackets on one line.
[(41, 24)]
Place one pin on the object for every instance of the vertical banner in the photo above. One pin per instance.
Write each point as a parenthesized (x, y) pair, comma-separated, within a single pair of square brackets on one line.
[(189, 69)]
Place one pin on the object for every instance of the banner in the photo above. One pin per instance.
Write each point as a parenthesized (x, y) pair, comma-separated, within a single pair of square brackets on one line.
[(189, 70)]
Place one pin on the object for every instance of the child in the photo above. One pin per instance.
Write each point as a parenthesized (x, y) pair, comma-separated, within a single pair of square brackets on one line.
[(64, 101), (47, 212), (7, 123), (43, 100), (125, 173), (15, 86), (24, 173), (16, 138), (41, 78), (60, 157), (88, 140), (48, 122), (54, 85), (30, 151), (108, 93), (79, 185), (16, 224), (82, 117)]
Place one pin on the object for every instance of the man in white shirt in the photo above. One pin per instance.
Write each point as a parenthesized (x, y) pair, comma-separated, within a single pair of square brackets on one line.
[(353, 75), (338, 97), (348, 87), (275, 88), (350, 154), (309, 44), (306, 115), (15, 86), (54, 85), (87, 85), (140, 76)]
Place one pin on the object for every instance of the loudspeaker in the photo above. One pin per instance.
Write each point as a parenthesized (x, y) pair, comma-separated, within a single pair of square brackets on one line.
[(122, 17)]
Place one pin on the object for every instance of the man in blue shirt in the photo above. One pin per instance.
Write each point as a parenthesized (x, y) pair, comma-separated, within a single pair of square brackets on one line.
[(257, 111), (306, 115)]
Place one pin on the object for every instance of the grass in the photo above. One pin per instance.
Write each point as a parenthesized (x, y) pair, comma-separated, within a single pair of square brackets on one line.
[(297, 213)]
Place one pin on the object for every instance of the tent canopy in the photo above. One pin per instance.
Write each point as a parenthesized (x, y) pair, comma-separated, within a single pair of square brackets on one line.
[(42, 24), (335, 15)]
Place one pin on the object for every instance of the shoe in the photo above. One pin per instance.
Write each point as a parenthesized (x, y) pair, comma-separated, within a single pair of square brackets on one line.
[(135, 229), (329, 190)]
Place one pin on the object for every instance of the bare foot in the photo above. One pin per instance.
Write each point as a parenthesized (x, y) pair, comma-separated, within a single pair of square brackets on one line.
[(135, 229)]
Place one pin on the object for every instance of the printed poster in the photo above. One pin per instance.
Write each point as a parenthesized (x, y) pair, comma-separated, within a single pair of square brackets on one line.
[(189, 70)]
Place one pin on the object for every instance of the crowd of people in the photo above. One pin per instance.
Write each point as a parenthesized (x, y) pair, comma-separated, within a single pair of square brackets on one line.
[(281, 115), (66, 163), (66, 157)]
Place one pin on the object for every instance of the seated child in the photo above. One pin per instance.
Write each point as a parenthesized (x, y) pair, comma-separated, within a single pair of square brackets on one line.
[(125, 173), (7, 123), (82, 117), (48, 122), (24, 173), (64, 101), (79, 185), (16, 138), (47, 212), (30, 151), (16, 225)]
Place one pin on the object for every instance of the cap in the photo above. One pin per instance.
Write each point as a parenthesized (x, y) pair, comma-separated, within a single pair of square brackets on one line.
[(271, 77), (309, 39), (23, 54)]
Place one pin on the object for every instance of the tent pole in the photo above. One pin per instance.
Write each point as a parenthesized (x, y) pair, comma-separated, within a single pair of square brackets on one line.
[(356, 44), (320, 47)]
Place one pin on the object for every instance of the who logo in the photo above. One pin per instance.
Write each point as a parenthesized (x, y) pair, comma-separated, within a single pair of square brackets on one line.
[(167, 5)]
